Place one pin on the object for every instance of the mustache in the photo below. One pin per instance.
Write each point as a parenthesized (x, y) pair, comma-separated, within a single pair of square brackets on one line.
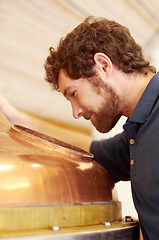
[(87, 116)]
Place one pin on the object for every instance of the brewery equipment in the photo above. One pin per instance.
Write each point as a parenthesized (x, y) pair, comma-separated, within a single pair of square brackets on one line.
[(52, 190)]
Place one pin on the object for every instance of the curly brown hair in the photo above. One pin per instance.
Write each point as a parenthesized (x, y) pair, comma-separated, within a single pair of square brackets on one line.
[(75, 53)]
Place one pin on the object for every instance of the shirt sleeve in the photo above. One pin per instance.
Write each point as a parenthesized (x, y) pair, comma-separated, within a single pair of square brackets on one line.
[(113, 155)]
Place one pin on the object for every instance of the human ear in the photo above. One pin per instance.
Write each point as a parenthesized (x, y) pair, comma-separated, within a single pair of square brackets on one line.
[(103, 62)]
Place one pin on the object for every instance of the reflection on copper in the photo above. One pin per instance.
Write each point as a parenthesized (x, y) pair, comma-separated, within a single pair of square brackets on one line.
[(5, 167)]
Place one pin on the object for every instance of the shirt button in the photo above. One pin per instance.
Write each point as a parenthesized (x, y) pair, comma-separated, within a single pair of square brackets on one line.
[(132, 141), (132, 162)]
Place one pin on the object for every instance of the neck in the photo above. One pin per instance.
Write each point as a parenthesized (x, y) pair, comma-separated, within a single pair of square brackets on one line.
[(135, 85)]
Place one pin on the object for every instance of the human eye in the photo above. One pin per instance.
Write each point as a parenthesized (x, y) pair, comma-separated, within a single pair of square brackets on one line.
[(73, 94)]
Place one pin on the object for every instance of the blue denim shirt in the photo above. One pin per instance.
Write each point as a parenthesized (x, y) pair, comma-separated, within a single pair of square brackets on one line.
[(134, 155)]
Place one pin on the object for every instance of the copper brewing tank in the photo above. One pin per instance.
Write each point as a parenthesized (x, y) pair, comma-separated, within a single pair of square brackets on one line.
[(46, 183)]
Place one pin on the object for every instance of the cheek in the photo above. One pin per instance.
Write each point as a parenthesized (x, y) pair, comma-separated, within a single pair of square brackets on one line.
[(88, 98), (85, 102)]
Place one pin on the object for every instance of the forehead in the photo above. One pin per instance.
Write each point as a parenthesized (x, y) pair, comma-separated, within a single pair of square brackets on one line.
[(62, 77)]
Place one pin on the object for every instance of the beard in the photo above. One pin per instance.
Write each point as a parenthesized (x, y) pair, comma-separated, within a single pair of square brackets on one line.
[(105, 120), (108, 114)]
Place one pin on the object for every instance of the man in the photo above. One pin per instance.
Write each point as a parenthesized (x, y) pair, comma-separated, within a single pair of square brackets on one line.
[(101, 70)]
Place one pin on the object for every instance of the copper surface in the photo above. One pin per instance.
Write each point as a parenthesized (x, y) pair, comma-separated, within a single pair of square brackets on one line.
[(31, 174), (41, 175), (49, 143)]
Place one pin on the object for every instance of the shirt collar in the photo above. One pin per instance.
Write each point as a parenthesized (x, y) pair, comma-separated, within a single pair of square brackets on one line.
[(146, 102)]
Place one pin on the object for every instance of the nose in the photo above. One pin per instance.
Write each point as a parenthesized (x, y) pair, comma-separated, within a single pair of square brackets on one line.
[(77, 111)]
